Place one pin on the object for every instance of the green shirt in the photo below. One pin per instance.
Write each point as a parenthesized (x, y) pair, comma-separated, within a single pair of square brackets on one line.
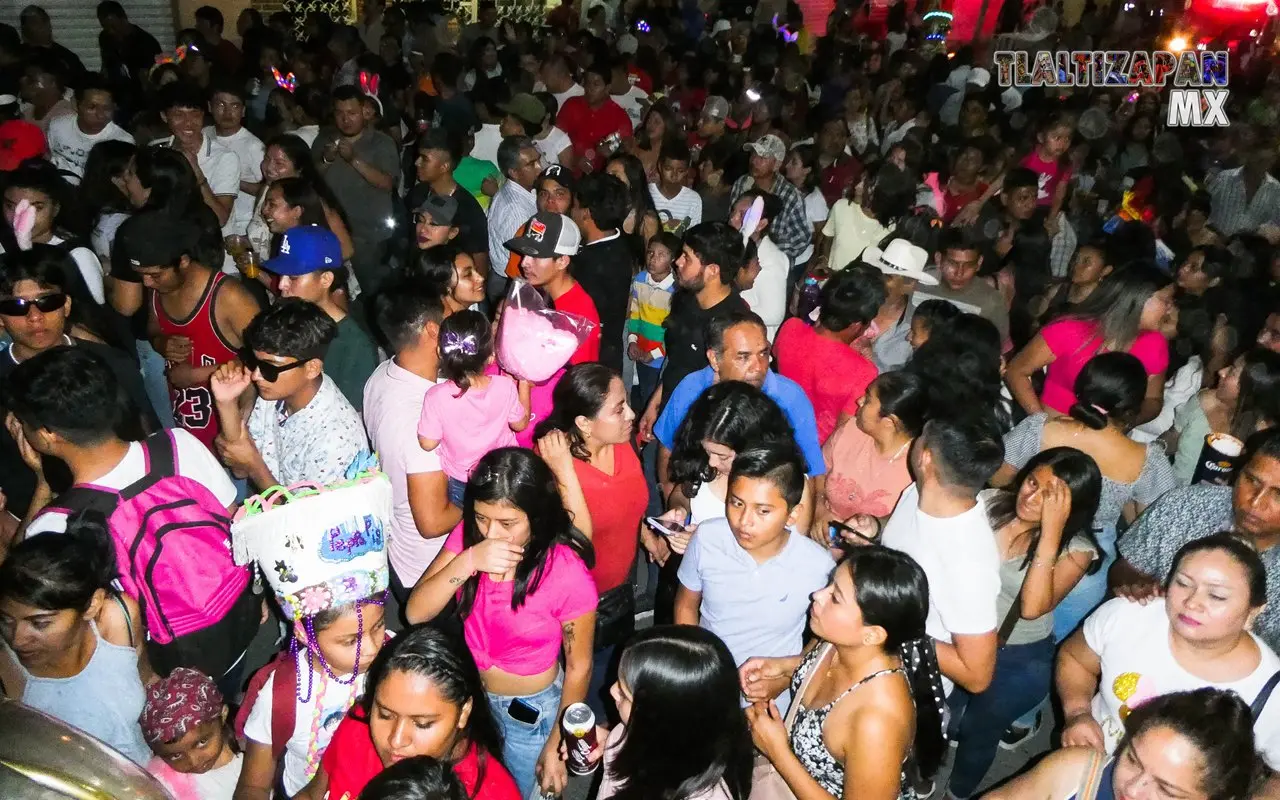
[(470, 174), (351, 360)]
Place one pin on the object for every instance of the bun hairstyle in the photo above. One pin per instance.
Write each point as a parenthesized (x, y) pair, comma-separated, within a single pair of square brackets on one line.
[(1109, 389), (61, 572), (466, 343)]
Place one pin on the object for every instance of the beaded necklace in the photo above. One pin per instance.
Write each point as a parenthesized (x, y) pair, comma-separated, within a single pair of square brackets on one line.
[(317, 718)]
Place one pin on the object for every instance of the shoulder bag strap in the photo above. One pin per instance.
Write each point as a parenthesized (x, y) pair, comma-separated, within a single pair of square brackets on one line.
[(1092, 777), (804, 685), (1260, 702), (1010, 619), (128, 618)]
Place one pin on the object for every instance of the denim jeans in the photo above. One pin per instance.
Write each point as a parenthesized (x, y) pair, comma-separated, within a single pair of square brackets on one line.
[(457, 489), (522, 741), (1022, 678), (647, 380), (1089, 592), (155, 382), (604, 671)]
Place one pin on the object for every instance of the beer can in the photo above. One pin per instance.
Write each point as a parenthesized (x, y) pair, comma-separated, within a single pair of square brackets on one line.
[(580, 738), (1219, 459)]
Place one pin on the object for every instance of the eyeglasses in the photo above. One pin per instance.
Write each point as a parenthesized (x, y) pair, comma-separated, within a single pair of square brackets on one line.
[(270, 372), (20, 307)]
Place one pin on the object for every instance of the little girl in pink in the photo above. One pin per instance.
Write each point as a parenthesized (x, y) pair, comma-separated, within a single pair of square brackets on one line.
[(469, 413)]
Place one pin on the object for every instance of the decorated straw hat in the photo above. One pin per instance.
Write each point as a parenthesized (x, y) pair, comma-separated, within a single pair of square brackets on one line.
[(319, 547)]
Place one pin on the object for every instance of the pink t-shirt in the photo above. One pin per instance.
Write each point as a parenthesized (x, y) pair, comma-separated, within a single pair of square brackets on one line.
[(833, 375), (540, 403), (1074, 342), (471, 424), (1051, 174), (392, 404), (526, 641), (859, 479)]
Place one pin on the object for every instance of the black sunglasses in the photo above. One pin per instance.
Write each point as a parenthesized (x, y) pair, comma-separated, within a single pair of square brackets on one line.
[(20, 306), (270, 372)]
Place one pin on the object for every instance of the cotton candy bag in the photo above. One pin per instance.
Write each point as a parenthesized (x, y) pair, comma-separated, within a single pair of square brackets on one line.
[(535, 340)]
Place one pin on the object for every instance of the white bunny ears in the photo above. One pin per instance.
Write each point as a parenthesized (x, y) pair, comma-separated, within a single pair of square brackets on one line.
[(24, 221)]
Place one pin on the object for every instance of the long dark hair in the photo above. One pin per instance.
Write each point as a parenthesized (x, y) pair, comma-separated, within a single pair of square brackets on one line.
[(893, 593), (466, 344), (516, 476), (434, 268), (1219, 724), (98, 192), (903, 396), (447, 662), (59, 573), (296, 150), (686, 732), (1081, 475), (1110, 386), (671, 129), (171, 181), (1116, 304), (1259, 401), (305, 194), (734, 414), (581, 392), (960, 365)]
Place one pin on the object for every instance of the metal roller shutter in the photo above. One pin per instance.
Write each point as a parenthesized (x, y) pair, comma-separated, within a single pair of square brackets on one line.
[(75, 23)]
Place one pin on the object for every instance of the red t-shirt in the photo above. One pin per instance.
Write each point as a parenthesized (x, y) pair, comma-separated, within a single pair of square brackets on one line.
[(954, 202), (642, 78), (833, 375), (1051, 174), (839, 178), (577, 301), (351, 762), (586, 126), (617, 503)]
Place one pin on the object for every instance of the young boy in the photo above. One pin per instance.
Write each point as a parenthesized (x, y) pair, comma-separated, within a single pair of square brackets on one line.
[(651, 293), (678, 206), (297, 426), (747, 577)]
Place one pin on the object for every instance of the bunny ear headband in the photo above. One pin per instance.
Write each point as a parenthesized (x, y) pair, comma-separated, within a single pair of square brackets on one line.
[(751, 219), (287, 82), (369, 82), (785, 31), (24, 220)]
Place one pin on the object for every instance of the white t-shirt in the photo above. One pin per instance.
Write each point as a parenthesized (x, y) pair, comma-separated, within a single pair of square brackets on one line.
[(221, 168), (816, 209), (104, 234), (852, 231), (677, 214), (959, 557), (250, 151), (768, 295), (633, 102), (1132, 642), (69, 146), (552, 146), (487, 140), (307, 133), (328, 699), (192, 460), (575, 90)]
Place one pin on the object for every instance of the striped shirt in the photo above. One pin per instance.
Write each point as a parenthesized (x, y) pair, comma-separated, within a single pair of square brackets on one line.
[(1232, 213), (650, 304)]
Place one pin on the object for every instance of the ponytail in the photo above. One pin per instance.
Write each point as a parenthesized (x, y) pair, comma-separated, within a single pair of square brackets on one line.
[(920, 663)]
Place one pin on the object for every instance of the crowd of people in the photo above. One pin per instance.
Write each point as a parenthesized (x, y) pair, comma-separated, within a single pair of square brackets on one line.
[(907, 409)]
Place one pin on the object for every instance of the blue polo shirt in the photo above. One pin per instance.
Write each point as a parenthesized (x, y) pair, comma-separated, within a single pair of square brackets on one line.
[(757, 609), (783, 391)]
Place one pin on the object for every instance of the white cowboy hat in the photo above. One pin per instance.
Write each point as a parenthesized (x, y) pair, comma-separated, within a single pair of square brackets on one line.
[(901, 258)]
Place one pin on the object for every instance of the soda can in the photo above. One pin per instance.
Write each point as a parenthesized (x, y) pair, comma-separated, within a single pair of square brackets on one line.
[(580, 738), (1219, 459)]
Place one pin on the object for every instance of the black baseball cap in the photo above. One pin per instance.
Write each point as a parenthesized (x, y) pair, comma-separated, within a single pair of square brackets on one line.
[(560, 174), (155, 239)]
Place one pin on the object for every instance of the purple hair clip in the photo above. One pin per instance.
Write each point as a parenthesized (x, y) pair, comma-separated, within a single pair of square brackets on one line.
[(456, 343)]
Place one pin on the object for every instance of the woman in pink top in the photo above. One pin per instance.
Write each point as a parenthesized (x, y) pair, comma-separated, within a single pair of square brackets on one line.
[(521, 575), (1125, 313), (677, 694), (867, 456), (469, 413)]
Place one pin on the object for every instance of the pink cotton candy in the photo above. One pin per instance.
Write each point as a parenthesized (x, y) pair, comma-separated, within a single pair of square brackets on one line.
[(530, 346)]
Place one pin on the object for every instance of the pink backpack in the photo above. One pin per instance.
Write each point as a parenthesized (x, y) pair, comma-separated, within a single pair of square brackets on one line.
[(173, 543)]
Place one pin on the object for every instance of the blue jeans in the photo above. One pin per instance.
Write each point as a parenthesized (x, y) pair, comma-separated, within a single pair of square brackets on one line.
[(604, 671), (155, 382), (1089, 592), (522, 741), (456, 490), (1022, 677), (647, 380)]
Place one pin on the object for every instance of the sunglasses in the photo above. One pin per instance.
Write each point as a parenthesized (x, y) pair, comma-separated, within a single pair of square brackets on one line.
[(270, 372), (20, 307)]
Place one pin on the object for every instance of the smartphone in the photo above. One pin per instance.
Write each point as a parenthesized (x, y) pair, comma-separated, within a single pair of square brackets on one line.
[(665, 527), (837, 528), (521, 711)]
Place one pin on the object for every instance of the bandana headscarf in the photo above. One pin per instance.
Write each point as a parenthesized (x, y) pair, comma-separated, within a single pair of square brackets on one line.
[(177, 704)]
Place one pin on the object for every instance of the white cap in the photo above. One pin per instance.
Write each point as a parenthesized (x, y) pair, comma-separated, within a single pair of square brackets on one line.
[(721, 26), (978, 77), (628, 44)]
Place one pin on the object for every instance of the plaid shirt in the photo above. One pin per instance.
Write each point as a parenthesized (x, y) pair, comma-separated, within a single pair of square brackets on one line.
[(791, 231), (1231, 213), (1062, 248)]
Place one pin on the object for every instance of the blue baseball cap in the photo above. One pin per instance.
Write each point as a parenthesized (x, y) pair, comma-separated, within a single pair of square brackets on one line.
[(306, 249)]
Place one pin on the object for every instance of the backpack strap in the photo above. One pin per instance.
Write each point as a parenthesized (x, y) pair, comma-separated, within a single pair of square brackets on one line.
[(1260, 702), (158, 453), (284, 701)]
